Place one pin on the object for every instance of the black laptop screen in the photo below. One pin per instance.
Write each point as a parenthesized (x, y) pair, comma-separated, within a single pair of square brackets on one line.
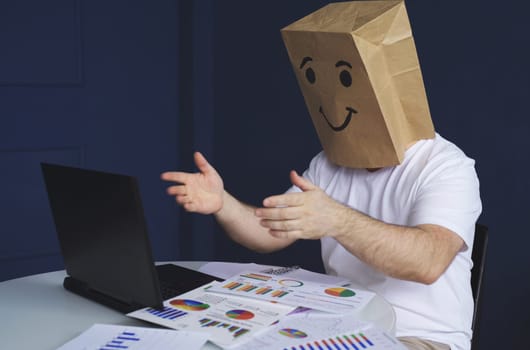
[(102, 233)]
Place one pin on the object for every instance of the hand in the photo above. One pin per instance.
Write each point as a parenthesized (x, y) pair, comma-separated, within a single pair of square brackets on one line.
[(310, 214), (200, 192)]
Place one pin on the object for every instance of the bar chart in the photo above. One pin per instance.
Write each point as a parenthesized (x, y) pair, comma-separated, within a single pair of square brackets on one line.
[(352, 341), (122, 341), (241, 287), (256, 276), (167, 313), (235, 330)]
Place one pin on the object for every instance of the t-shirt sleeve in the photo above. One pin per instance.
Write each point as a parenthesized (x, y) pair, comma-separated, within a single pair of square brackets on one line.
[(448, 195)]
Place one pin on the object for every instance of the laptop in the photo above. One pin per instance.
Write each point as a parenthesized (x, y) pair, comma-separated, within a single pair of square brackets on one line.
[(104, 241)]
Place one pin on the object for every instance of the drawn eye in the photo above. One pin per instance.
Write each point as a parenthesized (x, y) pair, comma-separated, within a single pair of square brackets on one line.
[(310, 75), (345, 78)]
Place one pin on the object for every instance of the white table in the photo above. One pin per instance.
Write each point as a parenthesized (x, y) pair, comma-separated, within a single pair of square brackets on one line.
[(37, 313)]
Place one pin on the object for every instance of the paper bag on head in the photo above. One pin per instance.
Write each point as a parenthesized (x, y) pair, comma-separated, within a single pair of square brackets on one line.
[(357, 66)]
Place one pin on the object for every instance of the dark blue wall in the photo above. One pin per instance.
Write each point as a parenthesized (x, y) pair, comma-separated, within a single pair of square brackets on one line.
[(91, 84)]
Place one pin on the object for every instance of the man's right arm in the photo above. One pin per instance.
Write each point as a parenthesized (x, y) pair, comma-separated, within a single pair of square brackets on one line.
[(203, 192), (243, 226)]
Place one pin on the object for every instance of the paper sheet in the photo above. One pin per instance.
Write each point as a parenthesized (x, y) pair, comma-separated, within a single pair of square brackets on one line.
[(227, 269), (296, 292), (318, 330), (227, 319), (113, 337)]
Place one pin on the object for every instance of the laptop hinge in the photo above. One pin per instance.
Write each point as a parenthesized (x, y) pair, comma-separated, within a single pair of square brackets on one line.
[(82, 289)]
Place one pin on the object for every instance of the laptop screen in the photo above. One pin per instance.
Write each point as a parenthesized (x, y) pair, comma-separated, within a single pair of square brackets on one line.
[(102, 233)]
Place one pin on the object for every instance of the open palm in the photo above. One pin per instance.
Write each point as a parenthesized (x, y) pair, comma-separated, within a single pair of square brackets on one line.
[(200, 192)]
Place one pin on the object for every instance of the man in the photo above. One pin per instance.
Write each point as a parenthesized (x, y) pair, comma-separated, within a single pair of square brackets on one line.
[(393, 203)]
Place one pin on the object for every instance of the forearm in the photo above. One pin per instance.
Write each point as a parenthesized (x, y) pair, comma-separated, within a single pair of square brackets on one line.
[(243, 226), (418, 254)]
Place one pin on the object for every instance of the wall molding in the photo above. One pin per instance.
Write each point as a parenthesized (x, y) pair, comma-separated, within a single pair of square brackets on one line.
[(28, 160), (78, 79)]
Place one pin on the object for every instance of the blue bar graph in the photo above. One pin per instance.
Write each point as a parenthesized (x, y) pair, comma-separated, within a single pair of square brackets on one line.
[(121, 337), (357, 341), (121, 341), (167, 313)]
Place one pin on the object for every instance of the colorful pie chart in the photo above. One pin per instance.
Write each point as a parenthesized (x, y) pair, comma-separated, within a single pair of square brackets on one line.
[(240, 314), (291, 283), (292, 333), (340, 292), (190, 305)]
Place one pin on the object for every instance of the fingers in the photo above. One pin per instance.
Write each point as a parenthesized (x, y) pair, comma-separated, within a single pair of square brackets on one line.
[(301, 182), (284, 200), (183, 200), (196, 192), (201, 163), (181, 193), (287, 213), (281, 222), (183, 177), (281, 225), (286, 234), (175, 176), (291, 199), (186, 202), (283, 229), (179, 190)]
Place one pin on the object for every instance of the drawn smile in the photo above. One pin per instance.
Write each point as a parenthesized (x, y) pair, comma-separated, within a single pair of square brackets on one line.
[(343, 126)]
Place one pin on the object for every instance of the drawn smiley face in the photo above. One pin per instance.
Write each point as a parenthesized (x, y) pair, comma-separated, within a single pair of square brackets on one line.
[(357, 68), (344, 77)]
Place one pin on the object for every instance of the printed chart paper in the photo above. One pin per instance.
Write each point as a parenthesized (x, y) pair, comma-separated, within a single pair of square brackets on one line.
[(227, 319), (297, 292), (316, 331), (113, 337), (228, 269)]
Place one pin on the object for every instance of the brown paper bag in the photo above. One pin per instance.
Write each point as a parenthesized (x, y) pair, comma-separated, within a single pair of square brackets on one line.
[(357, 66)]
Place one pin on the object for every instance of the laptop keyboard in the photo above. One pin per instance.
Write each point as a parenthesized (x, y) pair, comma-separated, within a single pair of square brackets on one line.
[(175, 280), (168, 291)]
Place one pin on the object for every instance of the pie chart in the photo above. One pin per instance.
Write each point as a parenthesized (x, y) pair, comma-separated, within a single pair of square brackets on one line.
[(340, 292), (291, 283), (240, 314), (292, 333), (190, 305)]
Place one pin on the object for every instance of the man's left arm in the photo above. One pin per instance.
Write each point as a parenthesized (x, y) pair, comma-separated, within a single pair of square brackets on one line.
[(421, 253)]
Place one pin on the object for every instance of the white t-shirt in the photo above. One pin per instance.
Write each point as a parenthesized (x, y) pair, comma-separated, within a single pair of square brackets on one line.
[(435, 184)]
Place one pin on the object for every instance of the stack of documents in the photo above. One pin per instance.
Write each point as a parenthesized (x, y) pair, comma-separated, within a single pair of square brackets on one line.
[(226, 318), (276, 309)]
